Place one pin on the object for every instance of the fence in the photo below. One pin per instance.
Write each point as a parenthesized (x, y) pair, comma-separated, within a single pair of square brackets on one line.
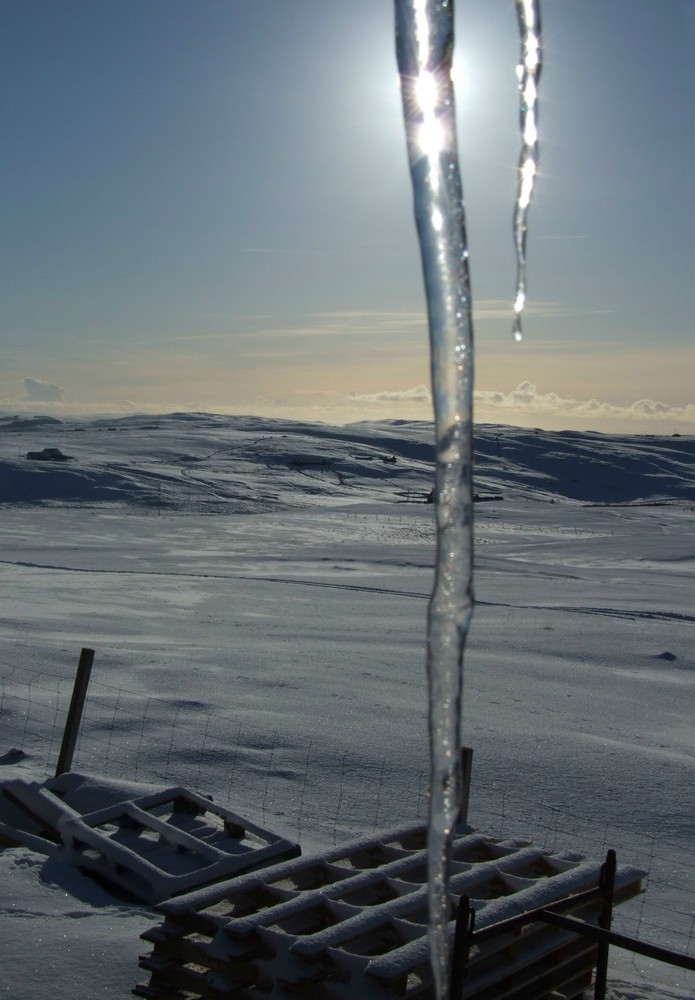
[(125, 735), (283, 781)]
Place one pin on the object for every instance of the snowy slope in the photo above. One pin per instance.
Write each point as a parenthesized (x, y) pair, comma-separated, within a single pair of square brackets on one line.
[(300, 631), (250, 464)]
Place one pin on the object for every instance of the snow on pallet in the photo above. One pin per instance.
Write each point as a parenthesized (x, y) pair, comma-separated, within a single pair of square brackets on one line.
[(353, 923), (155, 846)]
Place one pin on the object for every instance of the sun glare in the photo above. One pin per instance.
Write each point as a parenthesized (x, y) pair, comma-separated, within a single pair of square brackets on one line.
[(528, 173)]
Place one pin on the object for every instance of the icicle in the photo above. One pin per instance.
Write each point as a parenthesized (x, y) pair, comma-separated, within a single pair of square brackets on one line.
[(424, 43), (528, 74)]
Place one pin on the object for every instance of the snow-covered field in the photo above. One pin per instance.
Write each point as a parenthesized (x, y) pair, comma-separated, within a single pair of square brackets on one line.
[(256, 593)]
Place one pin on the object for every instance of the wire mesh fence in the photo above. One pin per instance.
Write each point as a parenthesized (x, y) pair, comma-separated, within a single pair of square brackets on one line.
[(282, 781)]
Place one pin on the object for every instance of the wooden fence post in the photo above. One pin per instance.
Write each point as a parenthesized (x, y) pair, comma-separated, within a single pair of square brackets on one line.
[(466, 770), (607, 884), (72, 723), (465, 924)]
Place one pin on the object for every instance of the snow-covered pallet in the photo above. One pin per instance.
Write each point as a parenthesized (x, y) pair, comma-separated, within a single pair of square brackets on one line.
[(155, 846), (353, 923)]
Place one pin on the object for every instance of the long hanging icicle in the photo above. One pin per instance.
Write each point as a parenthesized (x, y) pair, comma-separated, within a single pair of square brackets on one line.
[(424, 44), (528, 74)]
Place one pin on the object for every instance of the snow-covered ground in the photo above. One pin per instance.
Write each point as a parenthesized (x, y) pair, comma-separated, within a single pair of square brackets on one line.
[(256, 592)]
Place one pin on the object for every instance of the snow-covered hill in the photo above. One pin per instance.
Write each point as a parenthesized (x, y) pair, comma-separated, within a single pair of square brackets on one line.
[(199, 461), (238, 575)]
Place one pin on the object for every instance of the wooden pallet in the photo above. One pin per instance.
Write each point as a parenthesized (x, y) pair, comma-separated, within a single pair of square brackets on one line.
[(353, 923), (153, 847)]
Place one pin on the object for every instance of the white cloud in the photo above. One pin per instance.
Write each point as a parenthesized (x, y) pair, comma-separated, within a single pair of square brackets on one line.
[(526, 406), (39, 391), (420, 394), (525, 400)]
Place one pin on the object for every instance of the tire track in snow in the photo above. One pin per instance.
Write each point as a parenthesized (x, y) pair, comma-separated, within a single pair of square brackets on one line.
[(665, 616), (217, 576)]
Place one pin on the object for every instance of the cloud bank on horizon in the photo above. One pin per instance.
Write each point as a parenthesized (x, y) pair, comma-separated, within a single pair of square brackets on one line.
[(526, 400), (526, 403), (523, 406)]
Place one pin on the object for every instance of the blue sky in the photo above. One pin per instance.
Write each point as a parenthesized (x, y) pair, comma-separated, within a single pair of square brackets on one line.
[(205, 204)]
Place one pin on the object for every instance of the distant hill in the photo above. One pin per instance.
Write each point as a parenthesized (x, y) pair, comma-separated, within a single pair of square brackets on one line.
[(26, 423), (201, 461)]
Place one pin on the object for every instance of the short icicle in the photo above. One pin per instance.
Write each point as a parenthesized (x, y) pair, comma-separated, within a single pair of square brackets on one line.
[(528, 74), (424, 44)]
